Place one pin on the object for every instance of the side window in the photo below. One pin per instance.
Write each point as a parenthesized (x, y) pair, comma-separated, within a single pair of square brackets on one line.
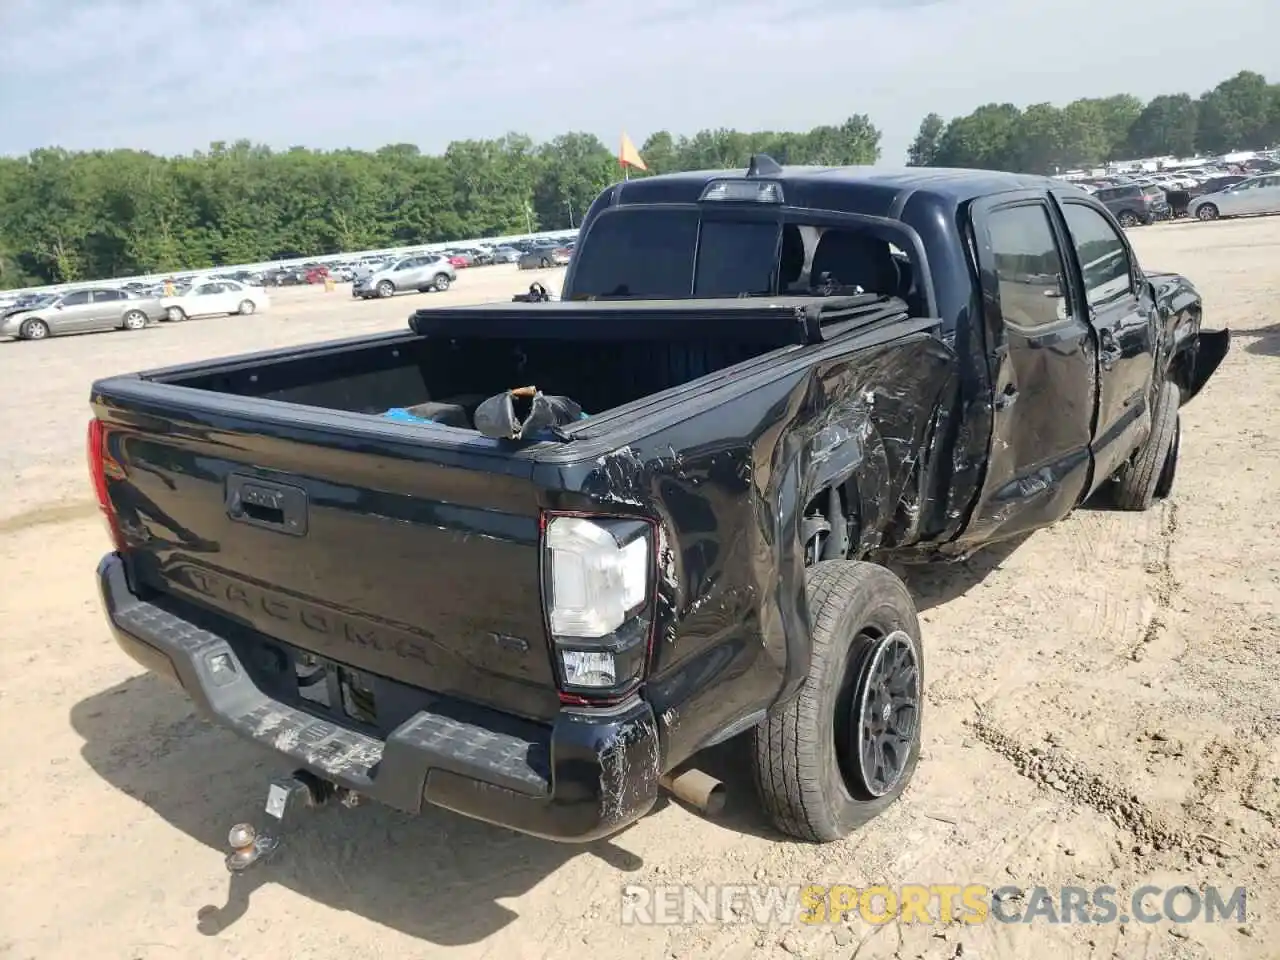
[(1028, 266), (1104, 258), (77, 299), (105, 296)]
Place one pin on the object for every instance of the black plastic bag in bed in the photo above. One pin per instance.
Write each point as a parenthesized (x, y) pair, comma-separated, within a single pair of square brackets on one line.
[(524, 412)]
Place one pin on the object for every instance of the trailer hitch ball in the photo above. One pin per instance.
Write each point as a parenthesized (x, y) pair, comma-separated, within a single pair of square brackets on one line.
[(242, 836), (248, 847)]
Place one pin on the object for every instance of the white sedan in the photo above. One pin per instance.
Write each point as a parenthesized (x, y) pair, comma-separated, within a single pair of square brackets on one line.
[(211, 298), (1252, 197)]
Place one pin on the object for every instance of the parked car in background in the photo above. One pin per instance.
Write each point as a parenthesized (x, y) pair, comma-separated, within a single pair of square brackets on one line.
[(1216, 183), (213, 298), (27, 302), (1132, 204), (543, 257), (459, 261), (82, 311), (506, 255), (1252, 197), (420, 273)]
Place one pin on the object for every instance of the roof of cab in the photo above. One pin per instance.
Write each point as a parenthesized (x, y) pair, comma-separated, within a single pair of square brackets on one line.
[(944, 184)]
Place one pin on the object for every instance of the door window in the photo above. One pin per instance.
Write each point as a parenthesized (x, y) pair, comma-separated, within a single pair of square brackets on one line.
[(77, 299), (1103, 255), (105, 296), (1029, 266)]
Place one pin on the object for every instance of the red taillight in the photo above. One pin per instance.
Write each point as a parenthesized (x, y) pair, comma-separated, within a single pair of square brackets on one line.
[(101, 467)]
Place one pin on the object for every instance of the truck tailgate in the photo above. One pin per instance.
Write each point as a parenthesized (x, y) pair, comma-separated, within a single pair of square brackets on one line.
[(420, 565)]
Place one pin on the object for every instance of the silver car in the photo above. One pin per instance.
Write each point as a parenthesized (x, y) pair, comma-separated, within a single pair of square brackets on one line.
[(422, 273), (1257, 195), (544, 256), (83, 311)]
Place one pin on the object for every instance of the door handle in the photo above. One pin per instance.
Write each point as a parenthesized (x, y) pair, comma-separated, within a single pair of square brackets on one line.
[(271, 506)]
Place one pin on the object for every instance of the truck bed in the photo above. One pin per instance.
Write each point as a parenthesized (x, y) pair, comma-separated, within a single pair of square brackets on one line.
[(602, 355), (268, 490)]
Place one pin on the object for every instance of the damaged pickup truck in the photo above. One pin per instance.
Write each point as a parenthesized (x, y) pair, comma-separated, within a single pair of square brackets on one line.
[(789, 376)]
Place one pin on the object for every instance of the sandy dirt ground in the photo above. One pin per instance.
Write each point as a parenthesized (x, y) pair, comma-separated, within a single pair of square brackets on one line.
[(1103, 708)]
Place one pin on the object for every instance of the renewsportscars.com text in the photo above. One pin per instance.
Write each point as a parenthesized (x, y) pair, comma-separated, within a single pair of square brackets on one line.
[(927, 903)]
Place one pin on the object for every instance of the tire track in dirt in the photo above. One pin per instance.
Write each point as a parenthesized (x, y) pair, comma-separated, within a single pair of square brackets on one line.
[(47, 514), (1100, 538), (1162, 584), (1057, 770)]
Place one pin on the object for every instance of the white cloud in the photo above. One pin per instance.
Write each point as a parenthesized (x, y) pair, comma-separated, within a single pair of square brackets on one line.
[(171, 76)]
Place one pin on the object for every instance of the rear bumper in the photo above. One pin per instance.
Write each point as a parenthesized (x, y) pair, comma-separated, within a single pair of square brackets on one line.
[(595, 771)]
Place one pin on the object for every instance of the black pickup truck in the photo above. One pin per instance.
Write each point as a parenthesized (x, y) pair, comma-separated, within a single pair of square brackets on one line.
[(789, 377)]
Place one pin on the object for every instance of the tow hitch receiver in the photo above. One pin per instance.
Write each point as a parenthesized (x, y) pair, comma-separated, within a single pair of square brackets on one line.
[(286, 797)]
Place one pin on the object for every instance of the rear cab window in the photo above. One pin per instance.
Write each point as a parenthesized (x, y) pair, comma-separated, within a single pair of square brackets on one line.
[(671, 254)]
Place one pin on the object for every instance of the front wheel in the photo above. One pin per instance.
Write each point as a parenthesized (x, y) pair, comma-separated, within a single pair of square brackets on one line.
[(386, 288), (1164, 486), (175, 315), (1207, 212), (246, 307), (135, 320), (440, 283), (1139, 481), (34, 330), (841, 751)]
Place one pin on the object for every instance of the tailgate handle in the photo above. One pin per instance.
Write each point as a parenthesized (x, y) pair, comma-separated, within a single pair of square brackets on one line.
[(272, 506)]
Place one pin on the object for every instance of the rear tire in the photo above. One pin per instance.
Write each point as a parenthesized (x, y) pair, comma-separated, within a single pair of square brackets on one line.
[(134, 320), (1128, 219), (440, 283), (814, 770), (175, 315), (246, 307), (34, 330), (1138, 481)]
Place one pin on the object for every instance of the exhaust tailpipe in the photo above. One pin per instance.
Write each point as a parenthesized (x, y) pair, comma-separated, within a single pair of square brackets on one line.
[(697, 789)]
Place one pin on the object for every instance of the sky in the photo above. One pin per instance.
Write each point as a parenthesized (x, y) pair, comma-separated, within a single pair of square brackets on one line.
[(172, 76)]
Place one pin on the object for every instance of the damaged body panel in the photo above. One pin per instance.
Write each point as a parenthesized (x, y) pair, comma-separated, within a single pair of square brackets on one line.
[(754, 393)]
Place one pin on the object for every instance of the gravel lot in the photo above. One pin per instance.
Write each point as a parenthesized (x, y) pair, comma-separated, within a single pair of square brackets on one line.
[(1103, 709)]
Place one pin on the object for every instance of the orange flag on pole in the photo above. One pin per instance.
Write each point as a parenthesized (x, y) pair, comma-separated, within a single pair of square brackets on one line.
[(629, 156)]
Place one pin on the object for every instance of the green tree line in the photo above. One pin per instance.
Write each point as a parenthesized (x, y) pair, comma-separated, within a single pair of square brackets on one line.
[(68, 216), (1241, 113)]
